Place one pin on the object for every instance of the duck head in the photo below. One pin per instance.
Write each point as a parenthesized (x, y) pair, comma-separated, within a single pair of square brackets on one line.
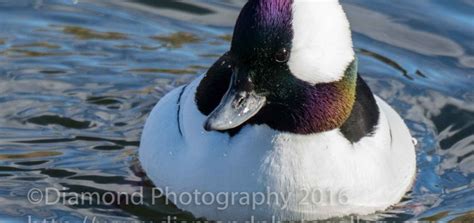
[(292, 67)]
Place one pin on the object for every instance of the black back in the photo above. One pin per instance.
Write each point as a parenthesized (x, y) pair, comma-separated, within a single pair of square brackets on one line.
[(364, 116)]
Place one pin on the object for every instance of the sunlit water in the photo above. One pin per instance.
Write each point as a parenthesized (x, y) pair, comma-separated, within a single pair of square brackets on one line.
[(78, 78)]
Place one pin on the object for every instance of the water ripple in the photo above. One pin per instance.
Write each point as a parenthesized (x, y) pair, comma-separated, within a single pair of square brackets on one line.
[(78, 79)]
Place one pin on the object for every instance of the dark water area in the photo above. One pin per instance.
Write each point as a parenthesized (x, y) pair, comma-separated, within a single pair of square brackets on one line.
[(78, 78)]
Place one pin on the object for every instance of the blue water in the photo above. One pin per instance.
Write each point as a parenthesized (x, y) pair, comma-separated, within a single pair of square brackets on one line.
[(78, 78)]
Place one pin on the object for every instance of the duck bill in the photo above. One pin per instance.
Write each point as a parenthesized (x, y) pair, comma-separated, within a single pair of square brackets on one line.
[(239, 104)]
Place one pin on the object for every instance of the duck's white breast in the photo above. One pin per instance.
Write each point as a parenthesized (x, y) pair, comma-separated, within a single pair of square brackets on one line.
[(323, 174)]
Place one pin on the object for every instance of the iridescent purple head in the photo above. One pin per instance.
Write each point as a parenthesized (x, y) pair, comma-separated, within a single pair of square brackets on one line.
[(292, 68), (264, 23), (274, 13)]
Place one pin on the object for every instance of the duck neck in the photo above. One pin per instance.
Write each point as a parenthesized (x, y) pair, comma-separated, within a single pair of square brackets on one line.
[(314, 108), (307, 109)]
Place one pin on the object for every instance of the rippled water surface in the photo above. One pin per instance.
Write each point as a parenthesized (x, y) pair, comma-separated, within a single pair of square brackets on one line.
[(78, 78)]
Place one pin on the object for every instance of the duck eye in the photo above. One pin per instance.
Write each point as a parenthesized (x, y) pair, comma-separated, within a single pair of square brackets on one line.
[(282, 56)]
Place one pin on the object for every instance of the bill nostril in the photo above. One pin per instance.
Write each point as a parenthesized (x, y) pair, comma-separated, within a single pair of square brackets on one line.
[(242, 97), (240, 101)]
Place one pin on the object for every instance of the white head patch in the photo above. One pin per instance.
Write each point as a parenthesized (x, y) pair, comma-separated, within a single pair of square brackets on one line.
[(322, 42)]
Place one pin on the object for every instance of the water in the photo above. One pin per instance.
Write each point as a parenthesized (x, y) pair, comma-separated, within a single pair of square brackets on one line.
[(78, 78)]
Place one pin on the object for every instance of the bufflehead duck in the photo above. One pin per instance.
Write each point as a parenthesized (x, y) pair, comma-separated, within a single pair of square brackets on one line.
[(285, 114)]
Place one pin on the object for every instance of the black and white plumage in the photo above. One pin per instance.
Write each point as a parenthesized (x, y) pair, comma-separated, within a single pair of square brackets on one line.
[(283, 111)]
